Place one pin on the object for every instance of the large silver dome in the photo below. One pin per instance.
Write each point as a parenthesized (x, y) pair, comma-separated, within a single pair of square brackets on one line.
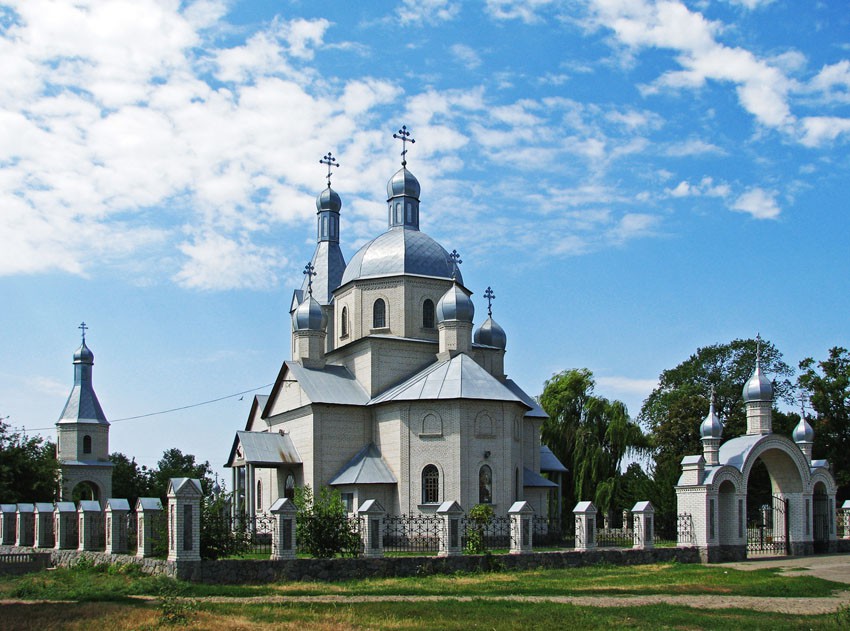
[(803, 432), (758, 388), (455, 305), (404, 183), (712, 426), (309, 316), (328, 199), (401, 251)]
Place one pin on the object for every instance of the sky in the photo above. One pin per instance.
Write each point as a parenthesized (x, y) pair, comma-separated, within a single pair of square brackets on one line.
[(634, 178)]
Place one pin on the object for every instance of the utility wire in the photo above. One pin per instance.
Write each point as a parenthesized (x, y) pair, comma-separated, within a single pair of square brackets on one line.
[(184, 407)]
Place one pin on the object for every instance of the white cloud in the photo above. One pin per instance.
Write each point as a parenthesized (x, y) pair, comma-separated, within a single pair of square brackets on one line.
[(706, 187), (759, 203), (466, 55), (217, 262), (750, 4), (428, 11), (524, 10), (627, 384), (817, 130), (692, 147)]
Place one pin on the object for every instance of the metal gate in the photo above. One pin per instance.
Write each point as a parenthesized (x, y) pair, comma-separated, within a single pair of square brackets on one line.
[(767, 526), (821, 523)]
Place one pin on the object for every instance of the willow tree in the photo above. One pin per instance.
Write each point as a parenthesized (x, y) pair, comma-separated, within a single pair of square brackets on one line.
[(590, 435)]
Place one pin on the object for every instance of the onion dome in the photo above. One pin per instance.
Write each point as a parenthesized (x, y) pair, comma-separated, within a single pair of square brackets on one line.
[(83, 355), (309, 316), (403, 184), (803, 432), (712, 426), (491, 334), (455, 305), (758, 388), (328, 200)]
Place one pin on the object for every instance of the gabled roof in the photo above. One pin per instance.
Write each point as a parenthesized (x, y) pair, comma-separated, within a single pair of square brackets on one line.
[(549, 461), (264, 448), (536, 411), (530, 478), (366, 467), (457, 378), (257, 407), (331, 384)]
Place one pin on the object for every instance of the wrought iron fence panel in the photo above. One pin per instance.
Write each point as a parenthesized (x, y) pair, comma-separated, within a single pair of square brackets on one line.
[(131, 523), (496, 532), (684, 528), (767, 526), (98, 534), (50, 534), (552, 532), (159, 532), (412, 533), (614, 538)]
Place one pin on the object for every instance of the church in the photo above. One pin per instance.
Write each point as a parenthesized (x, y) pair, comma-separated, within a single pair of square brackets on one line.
[(389, 393)]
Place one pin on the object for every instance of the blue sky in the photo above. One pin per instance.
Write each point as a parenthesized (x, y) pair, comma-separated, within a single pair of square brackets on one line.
[(634, 179)]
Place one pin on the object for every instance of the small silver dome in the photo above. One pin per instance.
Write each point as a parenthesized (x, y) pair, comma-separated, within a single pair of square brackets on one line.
[(455, 305), (758, 388), (712, 426), (491, 334), (403, 183), (309, 316), (83, 355), (328, 200), (803, 432)]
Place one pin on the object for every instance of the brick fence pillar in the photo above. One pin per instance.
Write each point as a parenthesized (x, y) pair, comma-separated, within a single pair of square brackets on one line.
[(148, 513), (644, 526), (184, 519), (116, 525), (284, 544), (451, 540), (585, 516), (371, 515), (520, 514)]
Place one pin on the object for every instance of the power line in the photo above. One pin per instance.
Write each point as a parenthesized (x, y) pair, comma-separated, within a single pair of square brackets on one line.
[(184, 407)]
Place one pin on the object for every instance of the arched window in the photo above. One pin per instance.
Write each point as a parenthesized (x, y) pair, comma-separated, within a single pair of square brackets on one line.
[(428, 314), (430, 485), (379, 314), (289, 486), (343, 325), (485, 485), (259, 495), (86, 444)]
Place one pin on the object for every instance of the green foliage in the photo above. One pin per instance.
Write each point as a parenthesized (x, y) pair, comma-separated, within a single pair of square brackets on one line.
[(175, 464), (828, 385), (218, 538), (129, 481), (479, 516), (174, 609), (590, 435), (673, 412), (28, 467), (322, 528)]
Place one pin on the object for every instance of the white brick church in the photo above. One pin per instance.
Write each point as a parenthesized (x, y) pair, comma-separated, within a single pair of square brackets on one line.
[(389, 395)]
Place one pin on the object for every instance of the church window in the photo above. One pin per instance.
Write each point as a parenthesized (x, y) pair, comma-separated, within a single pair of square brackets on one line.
[(259, 495), (343, 325), (333, 227), (325, 227), (428, 314), (485, 485), (430, 485), (397, 213), (289, 487), (86, 444), (379, 314), (409, 212), (432, 425), (348, 501)]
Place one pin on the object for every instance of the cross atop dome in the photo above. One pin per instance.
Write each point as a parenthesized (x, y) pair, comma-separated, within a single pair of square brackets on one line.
[(758, 347), (309, 272), (83, 328), (455, 257), (331, 162), (405, 138), (490, 296)]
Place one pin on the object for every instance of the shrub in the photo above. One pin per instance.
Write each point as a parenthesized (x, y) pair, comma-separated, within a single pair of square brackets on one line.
[(220, 538), (479, 516), (322, 527)]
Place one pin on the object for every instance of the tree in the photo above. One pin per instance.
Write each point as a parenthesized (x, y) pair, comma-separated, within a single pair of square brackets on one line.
[(28, 467), (175, 464), (590, 435), (128, 479), (675, 409), (322, 527), (828, 386)]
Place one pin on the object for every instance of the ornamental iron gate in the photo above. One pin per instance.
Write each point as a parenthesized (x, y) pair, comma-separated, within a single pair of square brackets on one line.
[(821, 522), (767, 526)]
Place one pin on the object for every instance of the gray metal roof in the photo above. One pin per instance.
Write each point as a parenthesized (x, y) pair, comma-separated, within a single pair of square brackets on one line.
[(329, 265), (734, 451), (366, 467), (491, 334), (549, 461), (536, 411), (82, 405), (309, 316), (264, 448), (532, 479), (44, 507), (458, 378), (148, 503), (331, 384), (401, 251)]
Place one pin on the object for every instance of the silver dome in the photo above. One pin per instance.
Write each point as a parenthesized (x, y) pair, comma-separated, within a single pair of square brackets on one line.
[(803, 432), (401, 251), (455, 305), (758, 388), (83, 355), (491, 334), (403, 183), (309, 316), (328, 200), (712, 426)]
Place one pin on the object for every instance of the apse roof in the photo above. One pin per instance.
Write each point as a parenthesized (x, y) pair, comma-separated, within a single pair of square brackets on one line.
[(264, 448), (549, 461), (530, 478), (366, 467), (536, 411)]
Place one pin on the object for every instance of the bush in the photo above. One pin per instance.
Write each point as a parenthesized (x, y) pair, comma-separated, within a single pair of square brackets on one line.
[(220, 538), (479, 516), (322, 528)]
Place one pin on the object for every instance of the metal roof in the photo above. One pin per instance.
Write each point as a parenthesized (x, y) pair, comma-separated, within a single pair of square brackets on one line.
[(401, 251), (536, 411), (532, 479), (549, 461), (458, 378), (734, 451), (82, 406), (366, 467), (264, 448), (329, 265), (331, 384)]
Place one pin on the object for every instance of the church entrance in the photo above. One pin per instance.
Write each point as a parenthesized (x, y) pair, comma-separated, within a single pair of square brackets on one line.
[(767, 525), (85, 491), (821, 519)]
